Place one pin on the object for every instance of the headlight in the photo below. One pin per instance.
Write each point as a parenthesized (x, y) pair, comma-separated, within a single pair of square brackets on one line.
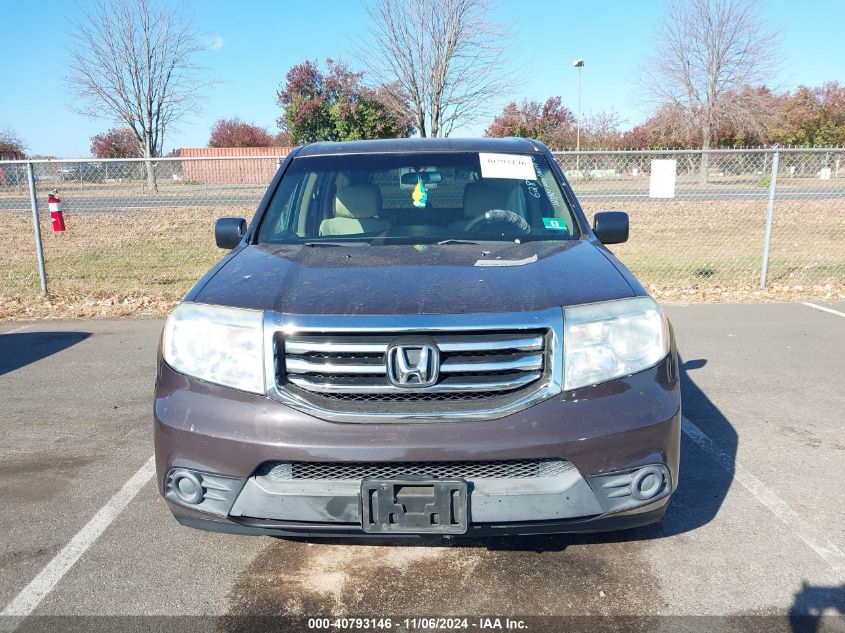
[(603, 341), (220, 345)]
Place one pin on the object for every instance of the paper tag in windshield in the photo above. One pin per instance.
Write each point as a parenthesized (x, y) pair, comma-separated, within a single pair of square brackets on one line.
[(555, 224), (507, 166)]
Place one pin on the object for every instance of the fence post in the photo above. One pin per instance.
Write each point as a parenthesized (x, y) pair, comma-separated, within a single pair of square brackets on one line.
[(36, 225), (773, 183)]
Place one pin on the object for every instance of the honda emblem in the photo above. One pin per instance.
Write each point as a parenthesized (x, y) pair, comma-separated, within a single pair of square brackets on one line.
[(413, 365)]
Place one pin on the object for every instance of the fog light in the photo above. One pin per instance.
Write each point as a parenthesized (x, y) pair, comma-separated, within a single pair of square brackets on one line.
[(627, 489), (646, 483), (187, 486), (202, 491)]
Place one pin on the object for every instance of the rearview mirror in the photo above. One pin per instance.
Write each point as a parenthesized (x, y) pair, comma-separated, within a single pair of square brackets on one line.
[(228, 232), (411, 178), (611, 227)]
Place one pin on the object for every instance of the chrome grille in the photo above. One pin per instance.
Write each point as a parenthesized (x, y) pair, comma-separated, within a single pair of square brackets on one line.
[(483, 365), (513, 469), (472, 366)]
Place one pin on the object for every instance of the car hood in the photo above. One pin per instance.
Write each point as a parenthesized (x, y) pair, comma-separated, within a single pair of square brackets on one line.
[(415, 279)]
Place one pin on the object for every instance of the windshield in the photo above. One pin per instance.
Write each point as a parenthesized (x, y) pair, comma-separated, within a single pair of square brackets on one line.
[(418, 198)]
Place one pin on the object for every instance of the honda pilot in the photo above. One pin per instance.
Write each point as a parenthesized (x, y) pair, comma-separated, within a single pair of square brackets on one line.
[(418, 337)]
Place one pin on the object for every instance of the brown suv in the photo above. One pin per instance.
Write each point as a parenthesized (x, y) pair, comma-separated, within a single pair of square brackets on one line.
[(418, 336)]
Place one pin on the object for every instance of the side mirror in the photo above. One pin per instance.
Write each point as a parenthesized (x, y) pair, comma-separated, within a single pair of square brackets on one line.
[(228, 232), (611, 227)]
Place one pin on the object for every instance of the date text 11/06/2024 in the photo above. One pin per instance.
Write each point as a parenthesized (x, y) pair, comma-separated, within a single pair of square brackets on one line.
[(410, 624)]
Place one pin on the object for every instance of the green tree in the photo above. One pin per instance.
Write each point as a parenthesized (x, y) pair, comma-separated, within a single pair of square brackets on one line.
[(336, 105)]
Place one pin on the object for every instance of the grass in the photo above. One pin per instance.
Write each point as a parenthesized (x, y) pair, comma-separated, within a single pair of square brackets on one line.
[(105, 264), (141, 262)]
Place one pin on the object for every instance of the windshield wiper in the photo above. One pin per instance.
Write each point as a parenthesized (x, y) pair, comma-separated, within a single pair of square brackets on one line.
[(478, 242), (338, 243)]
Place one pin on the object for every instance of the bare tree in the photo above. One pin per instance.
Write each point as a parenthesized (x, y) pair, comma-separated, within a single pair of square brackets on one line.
[(603, 129), (132, 61), (446, 56), (706, 55), (11, 145)]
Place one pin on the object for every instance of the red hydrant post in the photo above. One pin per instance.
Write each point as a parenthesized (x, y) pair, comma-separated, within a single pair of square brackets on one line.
[(56, 216)]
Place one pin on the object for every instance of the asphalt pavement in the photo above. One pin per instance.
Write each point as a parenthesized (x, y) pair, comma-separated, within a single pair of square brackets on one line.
[(755, 528)]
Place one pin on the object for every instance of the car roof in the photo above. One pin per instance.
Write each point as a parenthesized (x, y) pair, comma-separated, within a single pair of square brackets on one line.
[(412, 145)]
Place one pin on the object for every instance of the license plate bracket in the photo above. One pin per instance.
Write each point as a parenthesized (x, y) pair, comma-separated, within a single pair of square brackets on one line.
[(413, 505)]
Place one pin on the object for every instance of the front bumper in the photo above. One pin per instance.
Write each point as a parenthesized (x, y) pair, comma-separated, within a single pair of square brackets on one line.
[(606, 433), (254, 527)]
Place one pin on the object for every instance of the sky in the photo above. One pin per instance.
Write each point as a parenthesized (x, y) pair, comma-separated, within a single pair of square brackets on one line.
[(250, 45)]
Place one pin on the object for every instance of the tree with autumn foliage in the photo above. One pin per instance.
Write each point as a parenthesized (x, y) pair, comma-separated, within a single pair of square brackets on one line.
[(807, 117), (671, 127), (118, 142), (812, 117), (236, 133), (549, 122), (336, 105), (666, 128)]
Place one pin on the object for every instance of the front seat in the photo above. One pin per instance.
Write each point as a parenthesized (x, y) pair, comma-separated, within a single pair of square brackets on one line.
[(479, 198), (355, 208)]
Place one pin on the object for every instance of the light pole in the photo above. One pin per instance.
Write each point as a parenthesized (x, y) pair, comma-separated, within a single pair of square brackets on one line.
[(579, 64)]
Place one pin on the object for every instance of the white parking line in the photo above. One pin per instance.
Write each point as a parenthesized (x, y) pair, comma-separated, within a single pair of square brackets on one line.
[(812, 536), (825, 309), (30, 596)]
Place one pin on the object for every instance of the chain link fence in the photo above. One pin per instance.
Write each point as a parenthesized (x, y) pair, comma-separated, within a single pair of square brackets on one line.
[(699, 220), (128, 248), (135, 244)]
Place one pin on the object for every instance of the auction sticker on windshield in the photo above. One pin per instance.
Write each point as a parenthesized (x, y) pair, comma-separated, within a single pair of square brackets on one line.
[(507, 166)]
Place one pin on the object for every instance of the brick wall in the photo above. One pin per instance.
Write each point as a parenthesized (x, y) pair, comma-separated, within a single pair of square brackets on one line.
[(257, 171)]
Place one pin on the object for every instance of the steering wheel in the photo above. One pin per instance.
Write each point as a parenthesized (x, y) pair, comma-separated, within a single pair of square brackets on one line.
[(500, 216)]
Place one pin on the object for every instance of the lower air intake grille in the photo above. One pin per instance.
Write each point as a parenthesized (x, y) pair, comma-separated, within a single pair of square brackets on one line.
[(514, 469)]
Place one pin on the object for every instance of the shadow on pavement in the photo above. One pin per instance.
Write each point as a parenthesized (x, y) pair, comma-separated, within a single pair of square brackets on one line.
[(813, 606), (704, 481), (19, 350)]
